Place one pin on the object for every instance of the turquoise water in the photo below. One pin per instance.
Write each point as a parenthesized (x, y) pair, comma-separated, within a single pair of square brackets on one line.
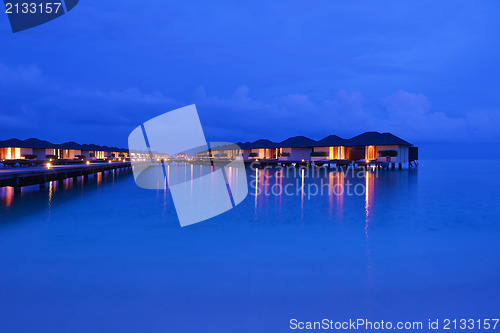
[(107, 256)]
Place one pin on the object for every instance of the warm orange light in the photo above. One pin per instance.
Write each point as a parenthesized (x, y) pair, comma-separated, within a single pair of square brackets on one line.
[(109, 161), (49, 165), (302, 160), (88, 162)]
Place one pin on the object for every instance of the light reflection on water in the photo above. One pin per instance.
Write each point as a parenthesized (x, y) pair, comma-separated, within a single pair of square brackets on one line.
[(51, 192), (35, 199), (415, 243), (279, 196), (6, 196), (269, 182), (279, 184)]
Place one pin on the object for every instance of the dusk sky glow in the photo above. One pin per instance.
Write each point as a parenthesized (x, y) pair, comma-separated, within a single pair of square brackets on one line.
[(426, 71)]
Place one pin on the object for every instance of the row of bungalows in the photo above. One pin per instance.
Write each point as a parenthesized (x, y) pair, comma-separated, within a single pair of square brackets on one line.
[(35, 149), (366, 147)]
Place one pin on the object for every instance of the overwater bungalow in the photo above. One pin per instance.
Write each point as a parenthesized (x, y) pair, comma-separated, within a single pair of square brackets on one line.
[(223, 151), (296, 148), (40, 150), (332, 147), (381, 147), (366, 148), (19, 149), (260, 149)]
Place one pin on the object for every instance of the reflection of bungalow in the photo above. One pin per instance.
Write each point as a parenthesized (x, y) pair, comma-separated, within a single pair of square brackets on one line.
[(385, 147), (296, 148), (35, 149), (330, 148)]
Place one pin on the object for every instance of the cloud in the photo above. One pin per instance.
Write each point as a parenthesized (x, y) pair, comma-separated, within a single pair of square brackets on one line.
[(403, 103), (412, 114), (296, 104), (35, 106), (409, 115), (32, 105), (20, 76), (129, 95)]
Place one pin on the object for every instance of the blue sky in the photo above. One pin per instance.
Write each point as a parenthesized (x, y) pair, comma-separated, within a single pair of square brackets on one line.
[(426, 70)]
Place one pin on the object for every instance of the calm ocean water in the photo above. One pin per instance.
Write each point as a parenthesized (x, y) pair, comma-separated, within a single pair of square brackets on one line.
[(108, 256)]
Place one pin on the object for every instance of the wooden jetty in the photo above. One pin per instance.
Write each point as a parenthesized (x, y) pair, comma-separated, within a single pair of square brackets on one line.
[(39, 175)]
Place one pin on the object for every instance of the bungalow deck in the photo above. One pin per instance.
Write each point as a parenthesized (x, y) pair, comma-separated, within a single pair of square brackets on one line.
[(275, 162), (325, 163)]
